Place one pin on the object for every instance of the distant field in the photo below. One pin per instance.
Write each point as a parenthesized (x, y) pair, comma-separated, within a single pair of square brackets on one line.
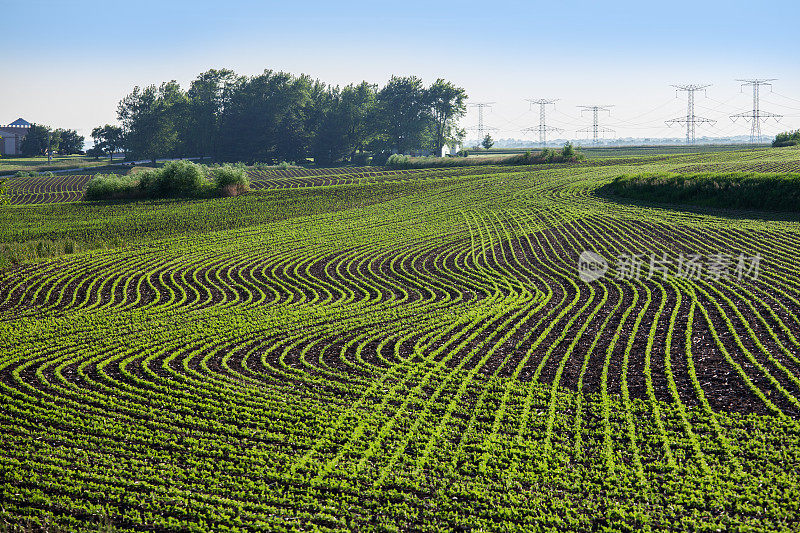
[(365, 349), (626, 151), (9, 165)]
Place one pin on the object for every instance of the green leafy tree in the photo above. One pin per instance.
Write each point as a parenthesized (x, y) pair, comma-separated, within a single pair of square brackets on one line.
[(487, 142), (267, 117), (447, 104), (108, 140), (345, 127), (70, 142), (787, 138), (153, 119), (37, 141), (404, 113), (208, 95)]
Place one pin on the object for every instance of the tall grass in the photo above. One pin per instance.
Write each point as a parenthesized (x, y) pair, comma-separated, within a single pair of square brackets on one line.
[(767, 191)]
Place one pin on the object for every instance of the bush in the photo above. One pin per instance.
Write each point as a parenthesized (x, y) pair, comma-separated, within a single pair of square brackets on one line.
[(230, 180), (176, 179), (113, 187), (399, 161)]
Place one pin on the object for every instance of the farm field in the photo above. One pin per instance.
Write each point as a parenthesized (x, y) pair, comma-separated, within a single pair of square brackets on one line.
[(368, 349), (9, 165), (593, 152)]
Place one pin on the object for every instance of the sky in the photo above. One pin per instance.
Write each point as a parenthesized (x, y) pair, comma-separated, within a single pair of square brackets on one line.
[(67, 64)]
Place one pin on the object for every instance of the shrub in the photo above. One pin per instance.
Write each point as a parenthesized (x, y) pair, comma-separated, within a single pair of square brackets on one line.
[(398, 161), (230, 180), (113, 187), (176, 179)]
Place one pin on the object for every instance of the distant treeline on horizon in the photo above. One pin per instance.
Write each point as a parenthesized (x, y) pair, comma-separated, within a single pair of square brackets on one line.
[(277, 116)]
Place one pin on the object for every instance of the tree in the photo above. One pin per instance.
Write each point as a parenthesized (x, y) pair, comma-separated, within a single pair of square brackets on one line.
[(358, 106), (273, 116), (153, 120), (37, 140), (787, 138), (404, 113), (107, 140), (208, 95), (345, 126), (447, 106), (70, 142), (487, 142)]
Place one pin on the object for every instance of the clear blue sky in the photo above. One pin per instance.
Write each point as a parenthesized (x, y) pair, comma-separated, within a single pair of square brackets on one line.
[(67, 64)]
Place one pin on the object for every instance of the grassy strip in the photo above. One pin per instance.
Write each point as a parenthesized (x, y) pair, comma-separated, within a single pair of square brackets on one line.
[(41, 164), (565, 155), (773, 191)]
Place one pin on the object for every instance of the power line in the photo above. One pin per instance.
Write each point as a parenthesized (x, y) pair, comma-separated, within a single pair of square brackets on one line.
[(756, 115), (781, 105), (691, 119), (787, 97), (595, 127), (543, 127), (480, 128)]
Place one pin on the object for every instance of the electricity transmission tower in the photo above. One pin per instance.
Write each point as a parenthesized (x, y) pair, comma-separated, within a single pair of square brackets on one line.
[(756, 115), (691, 119), (595, 128), (480, 128), (543, 127)]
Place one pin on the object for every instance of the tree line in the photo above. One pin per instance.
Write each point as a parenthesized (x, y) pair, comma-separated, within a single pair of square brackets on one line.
[(43, 139), (787, 138), (277, 116)]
